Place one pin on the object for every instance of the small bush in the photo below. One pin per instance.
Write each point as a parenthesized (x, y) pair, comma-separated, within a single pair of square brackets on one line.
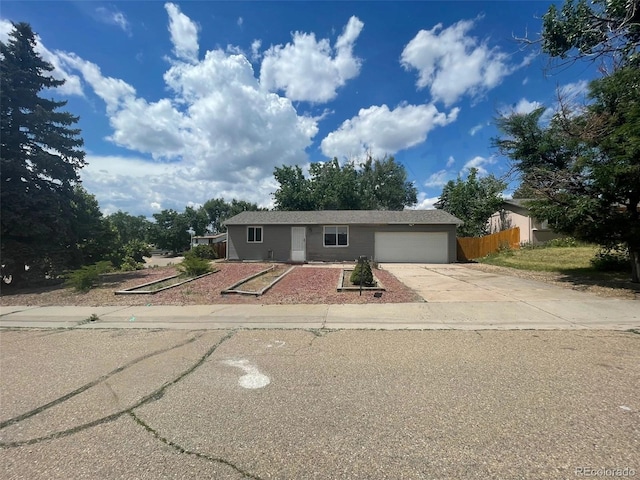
[(564, 242), (129, 265), (611, 259), (362, 274), (504, 247), (530, 246), (194, 266), (205, 252), (86, 277)]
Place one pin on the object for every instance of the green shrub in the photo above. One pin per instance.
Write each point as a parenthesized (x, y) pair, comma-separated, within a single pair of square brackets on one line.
[(530, 246), (194, 266), (85, 278), (611, 259), (563, 242), (206, 252), (129, 265), (505, 247), (362, 274)]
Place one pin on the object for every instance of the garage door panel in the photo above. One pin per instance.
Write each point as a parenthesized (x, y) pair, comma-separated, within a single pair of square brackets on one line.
[(410, 247)]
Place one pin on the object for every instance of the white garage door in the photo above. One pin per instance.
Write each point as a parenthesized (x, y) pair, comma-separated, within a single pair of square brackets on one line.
[(410, 247)]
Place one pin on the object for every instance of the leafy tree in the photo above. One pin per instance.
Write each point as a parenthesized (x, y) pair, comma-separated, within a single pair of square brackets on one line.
[(171, 231), (585, 165), (384, 185), (294, 192), (473, 201), (334, 187), (130, 228), (95, 238), (197, 220), (606, 29), (130, 256), (40, 155), (218, 210), (372, 185), (524, 190)]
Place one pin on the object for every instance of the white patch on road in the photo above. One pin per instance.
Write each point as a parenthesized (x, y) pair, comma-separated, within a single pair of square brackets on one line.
[(624, 407), (252, 377)]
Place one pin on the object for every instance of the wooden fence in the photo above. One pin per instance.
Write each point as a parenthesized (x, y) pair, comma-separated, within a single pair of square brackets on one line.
[(221, 249), (477, 247)]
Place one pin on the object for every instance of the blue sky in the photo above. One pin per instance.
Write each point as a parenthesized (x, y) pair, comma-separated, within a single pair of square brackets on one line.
[(182, 102)]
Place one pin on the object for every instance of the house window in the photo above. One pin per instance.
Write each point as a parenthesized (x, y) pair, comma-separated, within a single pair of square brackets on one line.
[(254, 234), (336, 236)]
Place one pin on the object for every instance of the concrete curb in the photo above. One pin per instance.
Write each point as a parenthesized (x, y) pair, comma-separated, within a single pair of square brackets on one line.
[(593, 314)]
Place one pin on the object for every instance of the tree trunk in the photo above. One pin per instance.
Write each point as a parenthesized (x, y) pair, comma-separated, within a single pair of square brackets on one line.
[(634, 255)]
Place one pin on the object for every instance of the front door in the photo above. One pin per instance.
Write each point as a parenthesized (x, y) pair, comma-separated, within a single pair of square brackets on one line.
[(298, 244)]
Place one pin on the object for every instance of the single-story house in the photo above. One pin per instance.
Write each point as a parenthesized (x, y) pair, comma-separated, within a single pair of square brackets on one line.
[(515, 213), (427, 236), (208, 239)]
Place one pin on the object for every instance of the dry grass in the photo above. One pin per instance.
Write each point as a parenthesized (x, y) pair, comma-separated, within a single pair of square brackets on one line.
[(567, 267), (550, 259)]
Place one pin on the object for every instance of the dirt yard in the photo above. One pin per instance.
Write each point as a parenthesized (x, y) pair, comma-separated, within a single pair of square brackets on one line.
[(304, 285)]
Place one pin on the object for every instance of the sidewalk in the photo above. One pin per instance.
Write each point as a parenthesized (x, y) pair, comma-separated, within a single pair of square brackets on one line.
[(608, 314)]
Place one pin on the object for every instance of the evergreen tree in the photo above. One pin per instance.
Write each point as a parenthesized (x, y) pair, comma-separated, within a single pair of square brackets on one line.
[(40, 155)]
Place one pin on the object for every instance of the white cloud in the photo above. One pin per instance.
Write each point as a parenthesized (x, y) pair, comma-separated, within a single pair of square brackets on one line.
[(72, 85), (381, 131), (573, 92), (113, 91), (218, 137), (240, 21), (425, 202), (438, 179), (453, 64), (479, 163), (525, 106), (184, 34), (310, 70), (113, 16), (217, 133), (255, 50), (143, 187), (475, 129), (450, 162)]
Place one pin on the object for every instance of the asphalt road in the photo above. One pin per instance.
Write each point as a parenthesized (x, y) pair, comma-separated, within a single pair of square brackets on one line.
[(295, 404)]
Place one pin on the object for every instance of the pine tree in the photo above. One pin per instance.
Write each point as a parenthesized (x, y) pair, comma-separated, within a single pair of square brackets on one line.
[(40, 156)]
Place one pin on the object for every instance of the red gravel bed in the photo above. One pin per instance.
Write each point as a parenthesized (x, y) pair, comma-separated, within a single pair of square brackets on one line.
[(304, 285), (318, 285)]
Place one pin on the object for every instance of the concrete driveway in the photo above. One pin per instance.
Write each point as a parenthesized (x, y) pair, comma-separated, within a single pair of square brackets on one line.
[(456, 283)]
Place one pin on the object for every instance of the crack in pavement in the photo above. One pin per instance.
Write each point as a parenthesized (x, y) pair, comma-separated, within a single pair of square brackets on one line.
[(93, 383), (181, 449), (155, 395)]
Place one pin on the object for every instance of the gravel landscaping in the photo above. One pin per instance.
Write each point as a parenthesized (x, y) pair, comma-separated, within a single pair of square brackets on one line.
[(304, 285)]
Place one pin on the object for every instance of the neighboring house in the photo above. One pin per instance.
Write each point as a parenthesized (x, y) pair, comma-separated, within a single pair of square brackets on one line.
[(343, 235), (208, 239), (515, 213)]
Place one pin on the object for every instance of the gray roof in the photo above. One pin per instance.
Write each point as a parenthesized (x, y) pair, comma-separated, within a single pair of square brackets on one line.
[(345, 217)]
